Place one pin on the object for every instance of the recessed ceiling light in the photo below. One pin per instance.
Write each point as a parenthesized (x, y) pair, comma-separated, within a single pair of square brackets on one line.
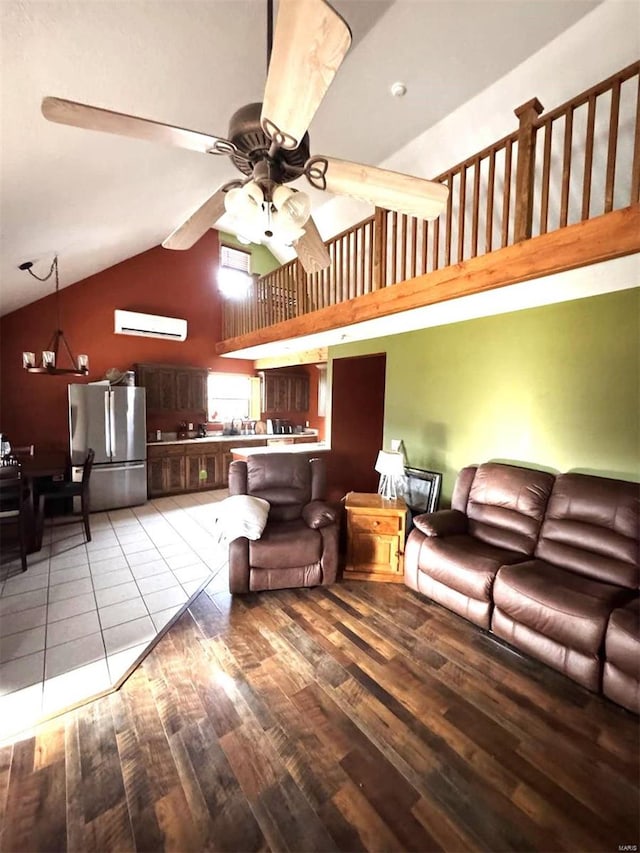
[(398, 90)]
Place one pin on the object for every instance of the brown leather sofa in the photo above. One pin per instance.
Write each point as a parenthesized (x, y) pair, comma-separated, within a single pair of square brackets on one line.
[(572, 543), (299, 544)]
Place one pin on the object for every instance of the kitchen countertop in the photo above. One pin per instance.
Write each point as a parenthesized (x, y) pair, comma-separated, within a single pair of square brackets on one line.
[(236, 439), (308, 447)]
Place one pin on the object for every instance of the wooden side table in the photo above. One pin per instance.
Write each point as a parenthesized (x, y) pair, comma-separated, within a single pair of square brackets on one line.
[(375, 538)]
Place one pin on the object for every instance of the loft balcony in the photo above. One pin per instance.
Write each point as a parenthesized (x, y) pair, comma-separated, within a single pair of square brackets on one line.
[(560, 192)]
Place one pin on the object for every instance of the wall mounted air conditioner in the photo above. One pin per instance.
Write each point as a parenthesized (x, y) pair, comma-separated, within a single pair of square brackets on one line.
[(150, 325)]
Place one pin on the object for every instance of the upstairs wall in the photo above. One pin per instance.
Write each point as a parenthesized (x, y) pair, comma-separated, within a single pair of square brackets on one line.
[(556, 387)]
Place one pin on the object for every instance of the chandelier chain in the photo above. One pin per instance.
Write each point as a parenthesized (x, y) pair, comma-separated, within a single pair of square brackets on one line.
[(53, 268)]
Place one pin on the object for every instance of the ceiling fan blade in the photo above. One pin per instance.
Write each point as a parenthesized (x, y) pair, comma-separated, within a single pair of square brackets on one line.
[(310, 42), (187, 234), (95, 118), (391, 190), (310, 248)]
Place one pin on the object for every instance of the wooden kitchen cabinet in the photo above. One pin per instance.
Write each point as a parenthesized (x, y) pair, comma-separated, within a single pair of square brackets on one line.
[(203, 471), (166, 470), (159, 384), (191, 389), (173, 387), (284, 392), (299, 393), (190, 466), (375, 537)]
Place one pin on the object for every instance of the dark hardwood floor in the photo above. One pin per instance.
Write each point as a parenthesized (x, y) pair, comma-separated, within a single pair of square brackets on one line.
[(358, 717)]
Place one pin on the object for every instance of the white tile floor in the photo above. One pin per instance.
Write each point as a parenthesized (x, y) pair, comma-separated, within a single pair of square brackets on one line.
[(75, 621)]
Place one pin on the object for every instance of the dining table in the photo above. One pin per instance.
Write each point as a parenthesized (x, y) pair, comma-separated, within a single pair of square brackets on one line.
[(36, 467)]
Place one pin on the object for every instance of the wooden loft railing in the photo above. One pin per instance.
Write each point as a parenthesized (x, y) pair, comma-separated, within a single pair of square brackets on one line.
[(575, 163)]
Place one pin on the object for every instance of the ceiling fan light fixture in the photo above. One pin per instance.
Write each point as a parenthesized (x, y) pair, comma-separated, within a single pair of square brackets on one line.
[(284, 229), (244, 202), (294, 205)]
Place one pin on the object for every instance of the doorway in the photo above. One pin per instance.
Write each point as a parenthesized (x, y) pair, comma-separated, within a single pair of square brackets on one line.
[(357, 423)]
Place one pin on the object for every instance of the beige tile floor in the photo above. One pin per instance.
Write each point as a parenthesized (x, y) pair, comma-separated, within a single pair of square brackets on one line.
[(83, 613)]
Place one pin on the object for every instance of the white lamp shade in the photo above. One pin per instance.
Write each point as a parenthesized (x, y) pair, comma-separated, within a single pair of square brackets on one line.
[(390, 462)]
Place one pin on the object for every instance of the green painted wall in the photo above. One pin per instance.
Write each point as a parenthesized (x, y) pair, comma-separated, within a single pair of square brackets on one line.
[(556, 387), (262, 261)]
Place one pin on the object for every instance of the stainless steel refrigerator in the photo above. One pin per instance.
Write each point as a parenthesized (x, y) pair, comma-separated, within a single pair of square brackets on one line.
[(111, 420)]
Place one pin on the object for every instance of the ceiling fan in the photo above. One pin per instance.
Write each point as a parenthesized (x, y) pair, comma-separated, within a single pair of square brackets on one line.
[(269, 143)]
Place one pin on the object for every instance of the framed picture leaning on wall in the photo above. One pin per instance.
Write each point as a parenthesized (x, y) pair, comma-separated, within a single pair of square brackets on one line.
[(421, 490)]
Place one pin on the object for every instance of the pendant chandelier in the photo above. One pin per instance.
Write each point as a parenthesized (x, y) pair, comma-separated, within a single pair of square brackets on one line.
[(50, 362)]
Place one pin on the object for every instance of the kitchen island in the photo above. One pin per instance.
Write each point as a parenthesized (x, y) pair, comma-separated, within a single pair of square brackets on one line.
[(176, 466), (310, 448)]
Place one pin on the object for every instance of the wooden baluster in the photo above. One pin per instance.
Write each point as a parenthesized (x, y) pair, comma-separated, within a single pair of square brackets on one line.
[(425, 242), (362, 243), (462, 204), (546, 177), (635, 169), (301, 289), (448, 235), (506, 197), (403, 246), (346, 263), (351, 244), (612, 148), (475, 208), (384, 271), (414, 247), (588, 158), (266, 319), (491, 185), (394, 248), (326, 273), (527, 115), (379, 250), (260, 305), (374, 237), (566, 168), (436, 243)]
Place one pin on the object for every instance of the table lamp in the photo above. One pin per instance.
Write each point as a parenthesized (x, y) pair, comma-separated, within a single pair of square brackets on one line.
[(390, 466)]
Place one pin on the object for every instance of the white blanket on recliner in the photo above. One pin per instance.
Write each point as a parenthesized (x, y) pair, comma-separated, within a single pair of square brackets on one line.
[(242, 515)]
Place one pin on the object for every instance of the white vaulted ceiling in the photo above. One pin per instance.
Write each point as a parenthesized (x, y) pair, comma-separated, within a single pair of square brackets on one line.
[(97, 199)]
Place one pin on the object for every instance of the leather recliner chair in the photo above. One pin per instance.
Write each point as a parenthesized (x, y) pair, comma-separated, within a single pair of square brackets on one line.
[(453, 556), (299, 544), (621, 677)]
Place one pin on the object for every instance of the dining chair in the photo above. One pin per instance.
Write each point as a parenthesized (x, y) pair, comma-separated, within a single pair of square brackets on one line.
[(57, 491), (14, 494)]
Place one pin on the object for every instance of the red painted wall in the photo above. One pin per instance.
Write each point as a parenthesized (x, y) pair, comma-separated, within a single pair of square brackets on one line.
[(33, 408), (357, 420)]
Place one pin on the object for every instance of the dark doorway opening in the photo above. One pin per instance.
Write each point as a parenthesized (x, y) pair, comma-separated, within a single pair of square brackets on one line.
[(357, 421)]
